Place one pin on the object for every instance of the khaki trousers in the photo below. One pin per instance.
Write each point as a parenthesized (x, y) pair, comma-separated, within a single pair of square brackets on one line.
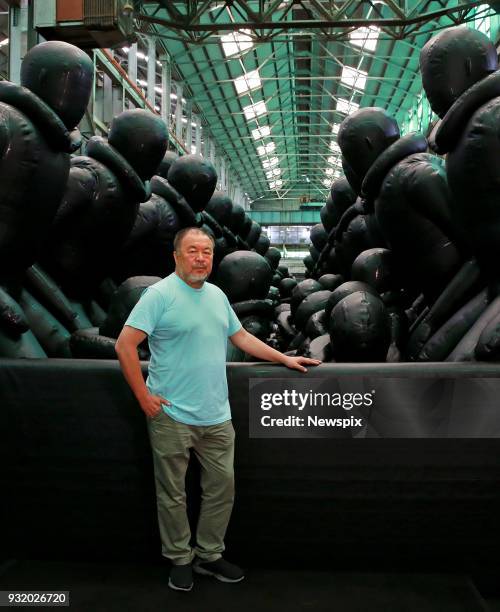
[(214, 447)]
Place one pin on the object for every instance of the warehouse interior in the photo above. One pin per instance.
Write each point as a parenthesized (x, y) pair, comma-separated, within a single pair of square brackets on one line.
[(399, 517)]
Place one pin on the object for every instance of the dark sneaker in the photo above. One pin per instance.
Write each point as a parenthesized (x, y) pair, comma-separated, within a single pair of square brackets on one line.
[(181, 577), (220, 569)]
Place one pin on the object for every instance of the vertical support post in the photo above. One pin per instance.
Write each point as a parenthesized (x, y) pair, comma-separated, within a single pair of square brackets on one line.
[(166, 89), (212, 152), (132, 63), (178, 112), (223, 174), (107, 99), (15, 43), (32, 35), (189, 127), (198, 135), (206, 152), (151, 70)]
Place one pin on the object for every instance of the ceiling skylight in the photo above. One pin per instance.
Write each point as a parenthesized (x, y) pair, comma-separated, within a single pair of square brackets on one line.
[(236, 42), (365, 37), (353, 77), (269, 163), (275, 184), (254, 110), (347, 107), (261, 132), (268, 148), (247, 82)]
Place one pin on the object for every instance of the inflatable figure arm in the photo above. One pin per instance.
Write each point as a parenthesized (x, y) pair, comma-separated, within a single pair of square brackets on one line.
[(12, 317), (79, 193), (460, 289), (428, 192)]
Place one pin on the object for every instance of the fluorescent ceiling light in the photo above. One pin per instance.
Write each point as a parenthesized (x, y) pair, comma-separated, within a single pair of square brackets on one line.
[(272, 184), (347, 107), (335, 128), (327, 182), (276, 171), (269, 163), (365, 37), (334, 161), (193, 149), (254, 110), (329, 171), (268, 148), (236, 42), (279, 182), (334, 146), (269, 174), (261, 132), (247, 82), (353, 78)]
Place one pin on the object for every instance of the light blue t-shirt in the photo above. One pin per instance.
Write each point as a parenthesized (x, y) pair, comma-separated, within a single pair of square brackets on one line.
[(188, 330)]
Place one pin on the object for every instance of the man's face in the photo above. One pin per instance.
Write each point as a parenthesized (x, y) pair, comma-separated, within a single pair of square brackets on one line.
[(194, 257)]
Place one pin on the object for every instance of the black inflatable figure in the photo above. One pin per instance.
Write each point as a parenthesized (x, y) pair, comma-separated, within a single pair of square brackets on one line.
[(460, 76), (99, 342), (194, 178), (408, 190), (38, 121), (359, 329), (341, 197), (149, 247), (245, 277), (101, 202), (376, 268)]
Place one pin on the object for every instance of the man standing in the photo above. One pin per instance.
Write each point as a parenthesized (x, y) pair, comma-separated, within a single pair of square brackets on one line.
[(187, 322)]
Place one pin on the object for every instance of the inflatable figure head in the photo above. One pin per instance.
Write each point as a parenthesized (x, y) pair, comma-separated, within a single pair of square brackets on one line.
[(195, 178), (61, 75), (123, 301), (166, 162), (375, 267), (359, 328), (141, 137), (237, 219), (362, 138), (244, 275), (451, 62), (220, 207)]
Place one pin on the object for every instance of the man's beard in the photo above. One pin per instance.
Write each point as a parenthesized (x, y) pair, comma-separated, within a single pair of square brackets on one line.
[(197, 278)]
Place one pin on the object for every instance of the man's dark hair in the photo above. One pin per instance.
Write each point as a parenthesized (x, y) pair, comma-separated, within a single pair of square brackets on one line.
[(181, 233)]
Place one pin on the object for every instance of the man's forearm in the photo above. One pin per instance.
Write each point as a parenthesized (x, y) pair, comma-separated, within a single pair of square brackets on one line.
[(131, 368), (255, 347)]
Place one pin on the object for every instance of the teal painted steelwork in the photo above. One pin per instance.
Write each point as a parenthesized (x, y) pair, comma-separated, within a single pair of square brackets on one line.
[(285, 217)]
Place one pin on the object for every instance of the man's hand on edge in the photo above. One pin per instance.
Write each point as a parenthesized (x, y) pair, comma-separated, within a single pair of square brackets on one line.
[(151, 404), (295, 363)]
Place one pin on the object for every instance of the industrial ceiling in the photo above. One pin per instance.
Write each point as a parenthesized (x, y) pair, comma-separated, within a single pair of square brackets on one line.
[(273, 79)]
